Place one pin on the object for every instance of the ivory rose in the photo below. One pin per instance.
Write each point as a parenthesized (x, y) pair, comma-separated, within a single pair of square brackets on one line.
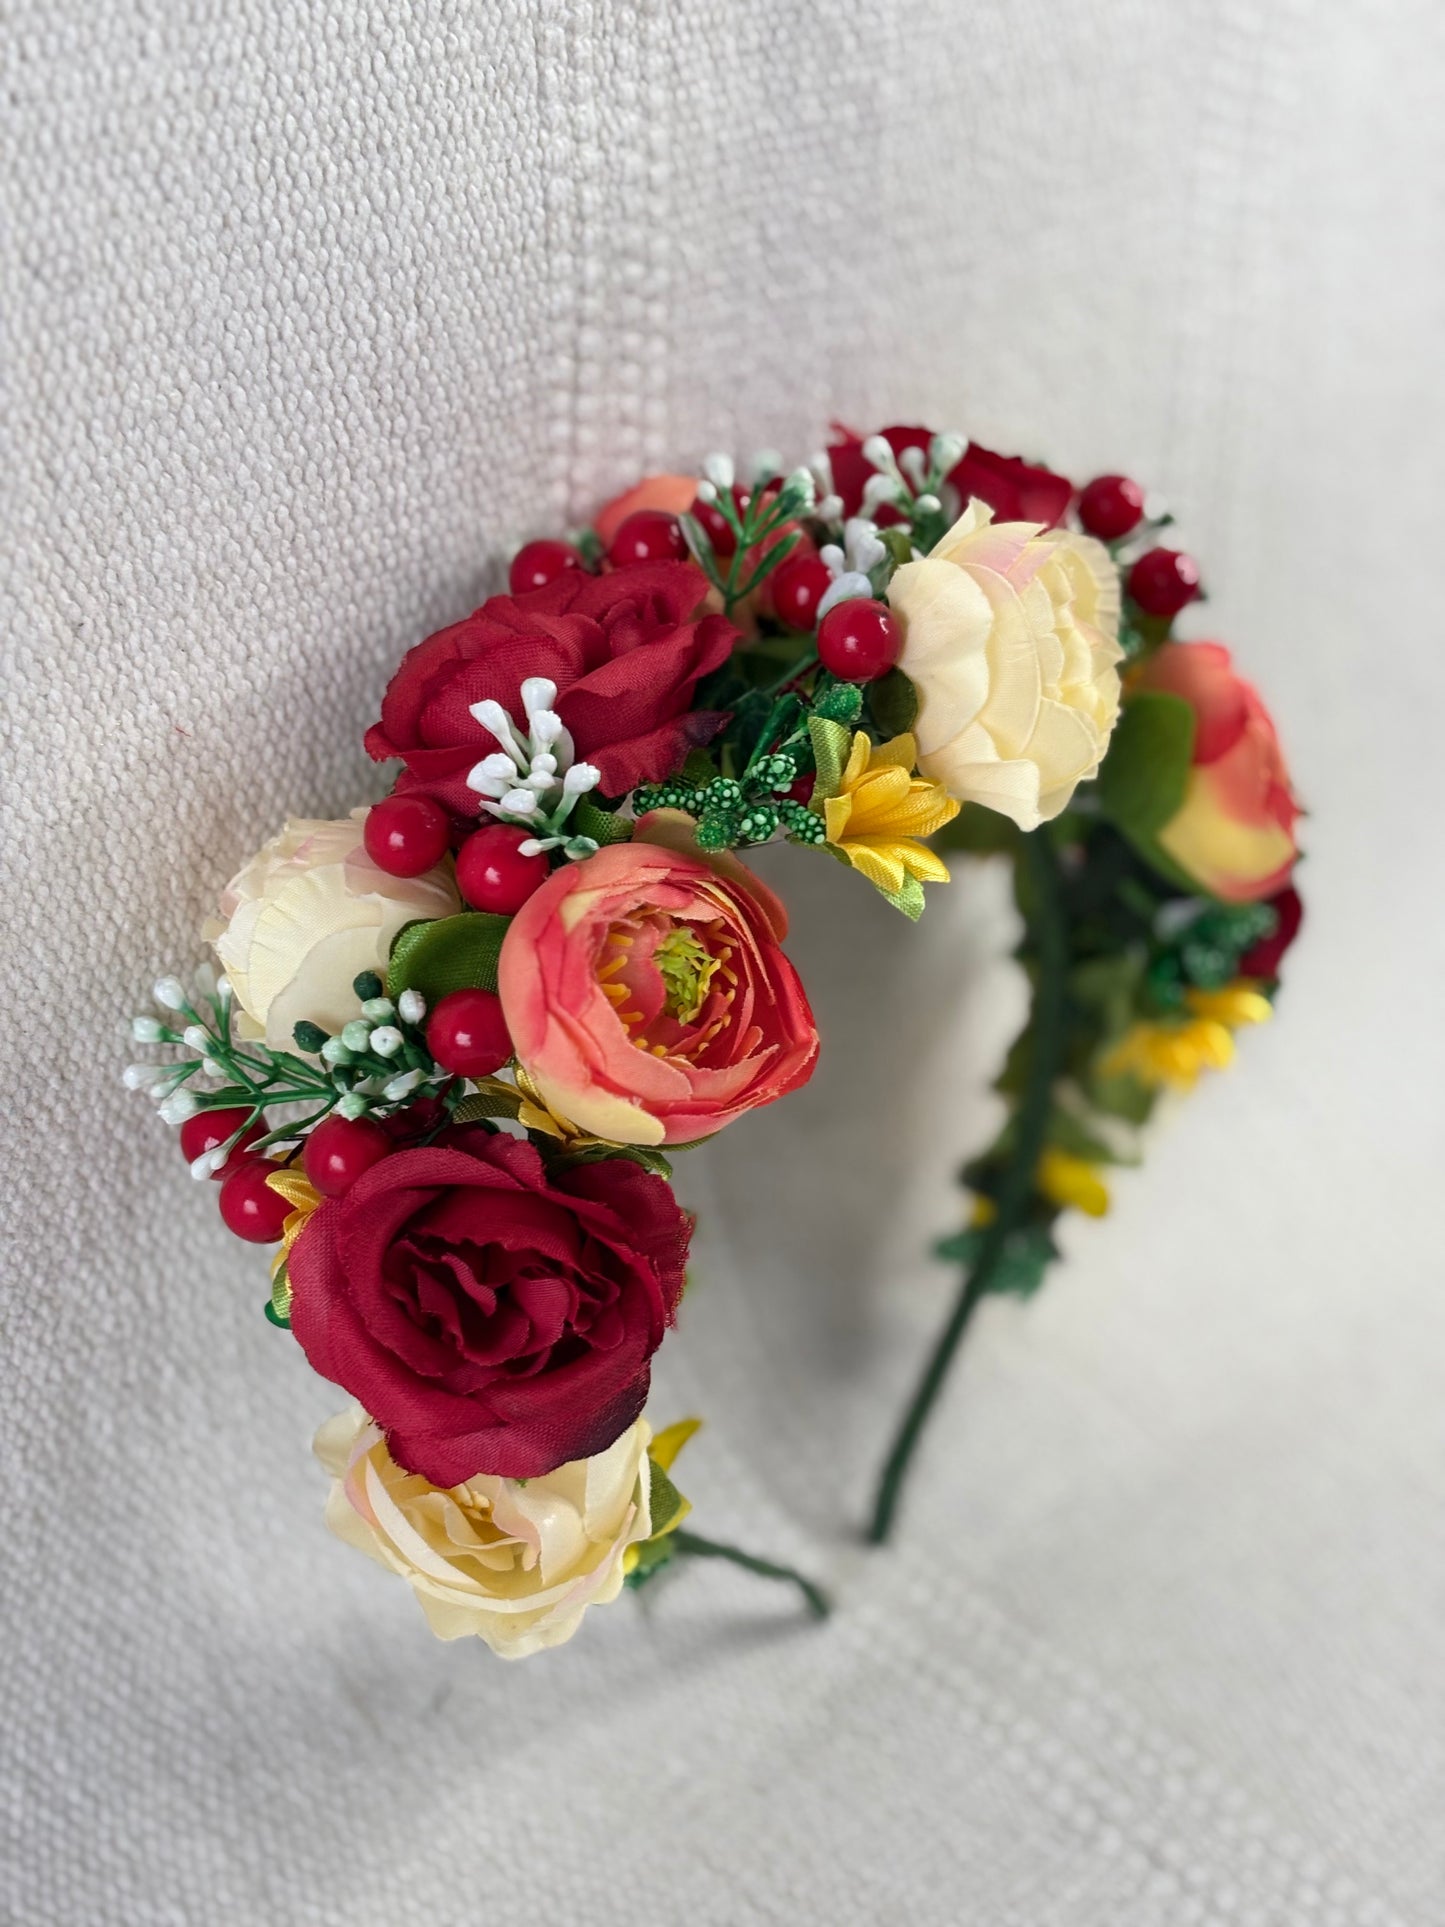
[(1010, 636), (514, 1562), (1234, 831), (308, 914), (646, 993)]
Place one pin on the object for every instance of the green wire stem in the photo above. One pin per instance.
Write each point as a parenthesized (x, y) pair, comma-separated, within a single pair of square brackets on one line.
[(699, 1548), (1048, 1022)]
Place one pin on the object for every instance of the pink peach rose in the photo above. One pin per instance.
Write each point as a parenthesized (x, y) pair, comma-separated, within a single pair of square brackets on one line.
[(646, 993), (1234, 831)]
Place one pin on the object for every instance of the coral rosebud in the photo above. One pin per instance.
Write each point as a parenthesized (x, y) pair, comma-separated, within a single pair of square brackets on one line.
[(1234, 831)]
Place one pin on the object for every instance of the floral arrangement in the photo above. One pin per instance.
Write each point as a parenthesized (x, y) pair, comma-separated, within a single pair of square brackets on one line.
[(458, 1036)]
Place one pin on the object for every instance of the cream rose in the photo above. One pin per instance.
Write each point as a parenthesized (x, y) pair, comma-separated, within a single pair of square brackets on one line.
[(308, 914), (517, 1562), (1010, 635)]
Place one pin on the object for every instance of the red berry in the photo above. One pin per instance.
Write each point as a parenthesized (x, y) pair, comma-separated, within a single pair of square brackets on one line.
[(492, 873), (1110, 506), (719, 532), (798, 587), (340, 1149), (405, 835), (1163, 580), (651, 535), (858, 640), (250, 1207), (467, 1033), (537, 563), (208, 1131)]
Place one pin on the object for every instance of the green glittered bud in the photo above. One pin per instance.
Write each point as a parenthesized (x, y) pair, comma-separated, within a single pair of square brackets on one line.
[(722, 793), (841, 702), (716, 830), (368, 984), (309, 1037)]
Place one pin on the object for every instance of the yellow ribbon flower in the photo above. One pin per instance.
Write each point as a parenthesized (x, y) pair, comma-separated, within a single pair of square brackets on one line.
[(303, 1197), (1175, 1053), (881, 807), (1064, 1180)]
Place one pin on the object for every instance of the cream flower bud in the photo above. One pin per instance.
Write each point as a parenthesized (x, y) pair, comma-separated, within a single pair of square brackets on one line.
[(1010, 636), (170, 993), (178, 1107), (309, 914), (411, 1006), (513, 1562), (147, 1030)]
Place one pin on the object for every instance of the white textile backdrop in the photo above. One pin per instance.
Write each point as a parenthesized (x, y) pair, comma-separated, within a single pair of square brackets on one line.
[(311, 311)]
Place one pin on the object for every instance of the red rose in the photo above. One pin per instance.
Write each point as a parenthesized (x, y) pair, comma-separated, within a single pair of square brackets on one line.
[(625, 650), (1264, 958), (489, 1317), (1015, 490)]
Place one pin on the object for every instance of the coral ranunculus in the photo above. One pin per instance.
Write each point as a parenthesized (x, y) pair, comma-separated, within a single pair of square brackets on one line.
[(492, 1317), (647, 995), (626, 652), (1234, 832)]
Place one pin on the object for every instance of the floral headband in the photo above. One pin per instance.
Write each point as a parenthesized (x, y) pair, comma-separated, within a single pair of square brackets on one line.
[(461, 1034)]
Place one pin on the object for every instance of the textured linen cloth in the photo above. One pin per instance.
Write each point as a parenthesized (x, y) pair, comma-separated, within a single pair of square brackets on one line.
[(311, 311)]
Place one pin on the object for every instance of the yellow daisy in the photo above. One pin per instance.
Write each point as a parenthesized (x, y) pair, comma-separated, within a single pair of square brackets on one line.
[(879, 810)]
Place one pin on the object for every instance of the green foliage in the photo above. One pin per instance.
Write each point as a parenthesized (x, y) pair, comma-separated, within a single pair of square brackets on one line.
[(278, 1305), (909, 899), (1141, 784), (601, 825), (979, 832), (893, 704), (652, 1556), (493, 1102), (831, 742), (451, 953), (665, 1499), (1026, 1256)]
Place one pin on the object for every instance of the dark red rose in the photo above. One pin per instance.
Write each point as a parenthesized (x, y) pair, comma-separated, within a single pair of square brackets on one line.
[(489, 1317), (1263, 959), (625, 650), (1015, 490)]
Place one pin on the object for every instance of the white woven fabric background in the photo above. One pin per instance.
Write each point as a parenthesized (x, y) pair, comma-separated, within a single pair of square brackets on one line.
[(310, 312)]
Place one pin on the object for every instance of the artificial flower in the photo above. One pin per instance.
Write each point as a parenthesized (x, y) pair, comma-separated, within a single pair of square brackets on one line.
[(1016, 491), (1072, 1182), (516, 1563), (647, 994), (671, 494), (1263, 959), (625, 653), (879, 810), (309, 913), (303, 1197), (1175, 1051), (1010, 636), (1234, 831), (490, 1315)]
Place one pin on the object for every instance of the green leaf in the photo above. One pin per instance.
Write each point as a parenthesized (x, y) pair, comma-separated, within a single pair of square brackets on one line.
[(980, 831), (484, 1104), (1141, 785), (666, 1501), (652, 1556), (1020, 1270), (278, 1305), (894, 703), (603, 826), (1067, 1132), (831, 744), (909, 899), (1121, 1096), (452, 953)]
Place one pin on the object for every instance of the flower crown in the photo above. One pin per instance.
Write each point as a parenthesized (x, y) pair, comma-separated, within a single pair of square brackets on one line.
[(460, 1035)]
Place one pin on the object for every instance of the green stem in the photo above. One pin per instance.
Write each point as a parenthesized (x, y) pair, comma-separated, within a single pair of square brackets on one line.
[(1047, 1020), (699, 1548)]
